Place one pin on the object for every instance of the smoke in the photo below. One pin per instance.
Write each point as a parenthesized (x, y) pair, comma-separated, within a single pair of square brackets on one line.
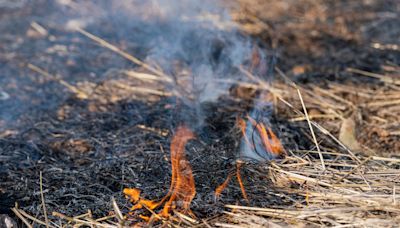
[(194, 42), (197, 43)]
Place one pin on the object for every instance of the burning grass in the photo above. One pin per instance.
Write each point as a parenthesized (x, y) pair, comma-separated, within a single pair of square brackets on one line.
[(260, 140), (182, 189), (328, 149)]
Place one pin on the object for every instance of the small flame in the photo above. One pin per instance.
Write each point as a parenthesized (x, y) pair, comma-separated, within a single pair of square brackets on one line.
[(260, 142), (223, 186), (239, 177), (182, 189), (256, 136), (182, 184)]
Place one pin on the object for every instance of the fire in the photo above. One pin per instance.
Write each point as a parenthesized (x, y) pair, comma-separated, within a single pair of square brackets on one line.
[(270, 145), (239, 178), (182, 189), (222, 187), (182, 184), (257, 137)]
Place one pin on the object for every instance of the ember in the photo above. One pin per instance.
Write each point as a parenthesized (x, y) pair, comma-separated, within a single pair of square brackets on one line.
[(182, 189)]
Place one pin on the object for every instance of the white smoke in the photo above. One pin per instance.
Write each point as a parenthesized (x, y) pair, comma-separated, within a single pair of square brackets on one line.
[(195, 42), (196, 39)]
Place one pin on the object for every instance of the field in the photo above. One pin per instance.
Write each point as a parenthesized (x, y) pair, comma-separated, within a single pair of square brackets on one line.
[(101, 98)]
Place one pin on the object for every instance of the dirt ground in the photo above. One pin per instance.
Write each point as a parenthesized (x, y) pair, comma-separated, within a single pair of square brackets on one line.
[(71, 110)]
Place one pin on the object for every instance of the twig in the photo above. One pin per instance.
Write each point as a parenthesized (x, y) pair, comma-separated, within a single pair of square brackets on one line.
[(145, 76), (88, 223), (278, 211), (73, 89), (26, 215), (90, 216), (381, 77), (16, 212), (43, 201), (353, 170), (312, 117), (226, 225), (122, 53), (393, 160), (184, 217), (117, 211), (323, 130), (40, 29), (312, 130), (137, 89)]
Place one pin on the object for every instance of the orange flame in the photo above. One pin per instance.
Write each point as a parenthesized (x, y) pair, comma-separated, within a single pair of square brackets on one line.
[(182, 184), (182, 189), (239, 178), (223, 186), (269, 140)]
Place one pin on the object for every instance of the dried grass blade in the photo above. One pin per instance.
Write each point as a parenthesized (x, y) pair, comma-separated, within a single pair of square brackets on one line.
[(321, 157), (43, 201)]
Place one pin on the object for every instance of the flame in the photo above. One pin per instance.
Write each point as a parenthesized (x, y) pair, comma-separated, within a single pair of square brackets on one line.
[(182, 189), (242, 125), (239, 178), (271, 143), (182, 184), (223, 186)]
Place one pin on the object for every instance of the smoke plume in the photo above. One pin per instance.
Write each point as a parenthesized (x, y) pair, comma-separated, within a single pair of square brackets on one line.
[(196, 43)]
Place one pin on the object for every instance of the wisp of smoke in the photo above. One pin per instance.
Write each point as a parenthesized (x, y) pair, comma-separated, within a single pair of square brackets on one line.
[(195, 42)]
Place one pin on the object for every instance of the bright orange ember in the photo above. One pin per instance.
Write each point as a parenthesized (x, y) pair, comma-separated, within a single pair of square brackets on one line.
[(182, 189)]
